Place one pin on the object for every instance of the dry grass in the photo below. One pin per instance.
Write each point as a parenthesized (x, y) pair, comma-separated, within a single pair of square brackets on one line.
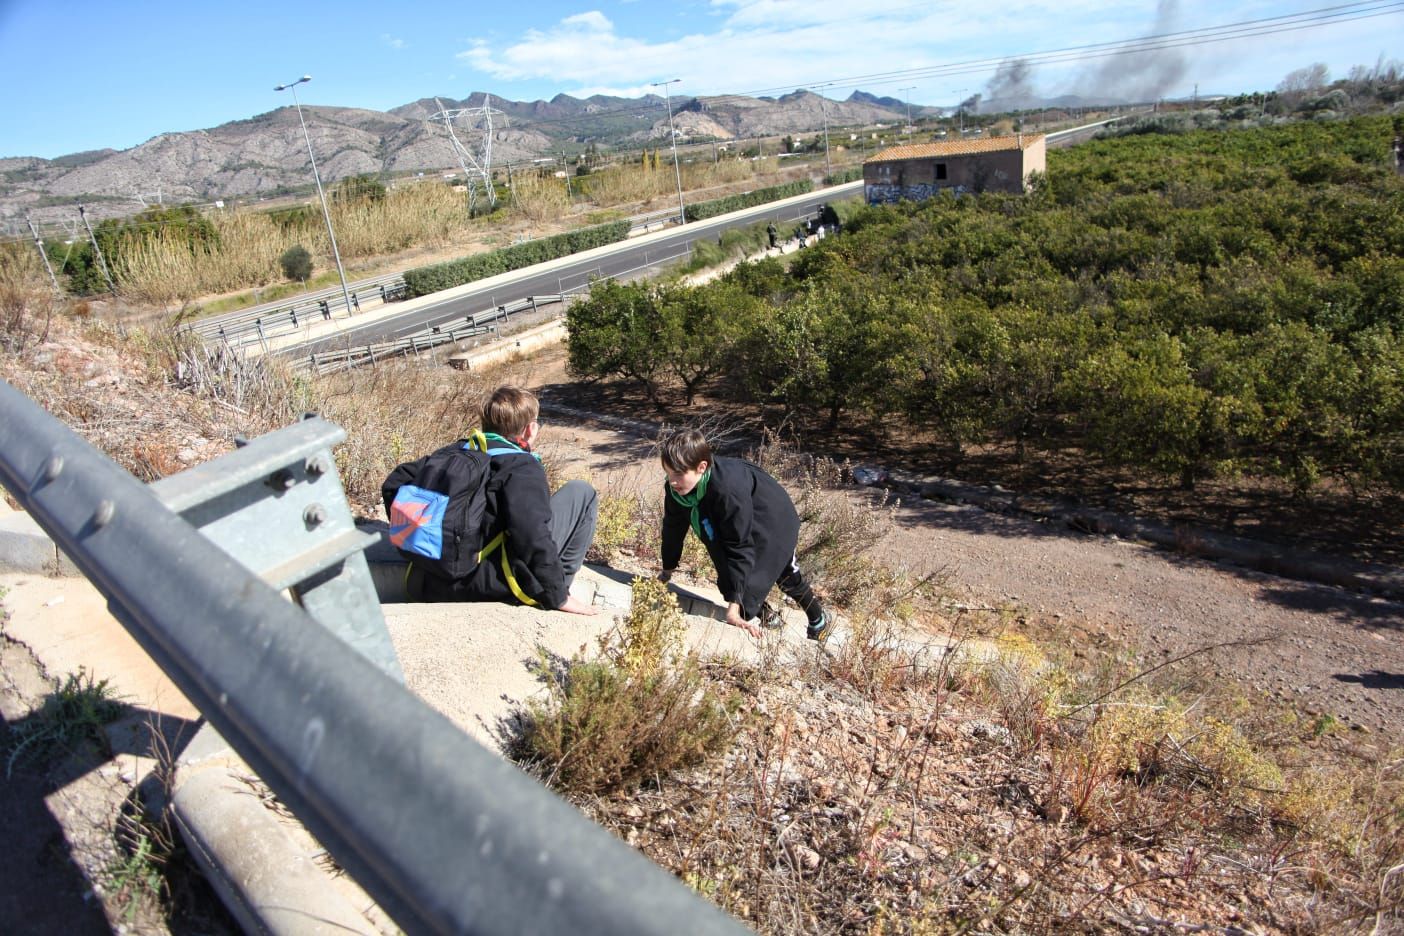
[(639, 709), (27, 300), (1005, 788)]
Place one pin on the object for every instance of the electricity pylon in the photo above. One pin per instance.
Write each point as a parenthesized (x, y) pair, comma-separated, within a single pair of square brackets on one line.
[(477, 161)]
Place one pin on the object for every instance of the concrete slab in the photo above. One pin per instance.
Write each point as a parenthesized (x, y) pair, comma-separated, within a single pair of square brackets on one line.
[(25, 547), (479, 663), (66, 625)]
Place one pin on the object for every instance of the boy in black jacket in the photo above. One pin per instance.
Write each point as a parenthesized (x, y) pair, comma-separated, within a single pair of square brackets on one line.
[(546, 535), (747, 522)]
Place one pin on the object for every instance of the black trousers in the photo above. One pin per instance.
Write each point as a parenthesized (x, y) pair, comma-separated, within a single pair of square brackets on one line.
[(792, 583)]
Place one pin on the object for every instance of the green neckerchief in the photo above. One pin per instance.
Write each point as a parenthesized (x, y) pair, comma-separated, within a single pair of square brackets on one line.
[(489, 437), (693, 498)]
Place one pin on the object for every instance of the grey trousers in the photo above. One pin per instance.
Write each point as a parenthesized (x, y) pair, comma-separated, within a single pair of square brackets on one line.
[(573, 511)]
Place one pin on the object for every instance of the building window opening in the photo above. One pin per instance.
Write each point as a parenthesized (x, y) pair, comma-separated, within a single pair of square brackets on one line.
[(940, 171)]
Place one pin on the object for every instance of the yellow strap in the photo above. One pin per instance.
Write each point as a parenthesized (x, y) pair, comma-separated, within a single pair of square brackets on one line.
[(512, 582), (487, 550)]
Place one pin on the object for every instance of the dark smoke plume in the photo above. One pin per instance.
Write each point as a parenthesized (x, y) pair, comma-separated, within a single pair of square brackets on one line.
[(971, 105), (1011, 88), (1139, 76)]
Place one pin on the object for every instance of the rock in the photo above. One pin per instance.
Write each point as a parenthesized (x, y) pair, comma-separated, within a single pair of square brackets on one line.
[(804, 857)]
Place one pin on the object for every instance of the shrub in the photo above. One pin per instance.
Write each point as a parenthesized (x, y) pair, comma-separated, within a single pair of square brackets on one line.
[(296, 263), (75, 712), (721, 206), (837, 530), (638, 711), (27, 301)]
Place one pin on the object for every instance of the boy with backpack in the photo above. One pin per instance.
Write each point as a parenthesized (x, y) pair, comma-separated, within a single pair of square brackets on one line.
[(477, 520), (748, 524)]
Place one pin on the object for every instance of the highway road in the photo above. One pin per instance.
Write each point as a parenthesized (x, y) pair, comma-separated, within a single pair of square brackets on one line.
[(640, 256), (635, 258)]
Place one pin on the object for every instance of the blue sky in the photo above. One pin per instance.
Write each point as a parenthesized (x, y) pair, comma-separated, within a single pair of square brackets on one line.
[(86, 75)]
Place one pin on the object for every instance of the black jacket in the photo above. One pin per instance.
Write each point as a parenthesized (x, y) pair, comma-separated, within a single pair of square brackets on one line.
[(749, 526), (519, 502)]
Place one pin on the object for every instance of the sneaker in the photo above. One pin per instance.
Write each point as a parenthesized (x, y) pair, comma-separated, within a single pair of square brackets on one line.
[(819, 630), (770, 617)]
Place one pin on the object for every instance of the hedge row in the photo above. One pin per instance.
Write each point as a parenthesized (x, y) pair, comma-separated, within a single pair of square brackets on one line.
[(720, 206), (424, 280), (844, 176)]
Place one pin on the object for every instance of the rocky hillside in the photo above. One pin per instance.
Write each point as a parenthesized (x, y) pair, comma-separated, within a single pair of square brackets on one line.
[(266, 155)]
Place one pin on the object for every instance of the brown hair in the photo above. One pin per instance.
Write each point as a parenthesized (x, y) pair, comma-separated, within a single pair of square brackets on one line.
[(509, 411), (684, 450)]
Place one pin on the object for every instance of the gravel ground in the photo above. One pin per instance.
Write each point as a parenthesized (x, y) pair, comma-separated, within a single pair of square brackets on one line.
[(1326, 650)]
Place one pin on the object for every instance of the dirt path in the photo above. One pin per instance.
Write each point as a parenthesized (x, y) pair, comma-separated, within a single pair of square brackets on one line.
[(1325, 650)]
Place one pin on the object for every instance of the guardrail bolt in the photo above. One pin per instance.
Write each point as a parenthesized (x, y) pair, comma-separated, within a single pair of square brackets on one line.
[(314, 515), (106, 510), (53, 468), (316, 466), (281, 480)]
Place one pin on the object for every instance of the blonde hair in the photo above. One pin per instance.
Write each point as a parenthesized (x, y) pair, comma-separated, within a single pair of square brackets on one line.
[(509, 411)]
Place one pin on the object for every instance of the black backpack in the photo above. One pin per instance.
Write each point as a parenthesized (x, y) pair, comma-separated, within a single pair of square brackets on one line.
[(437, 507)]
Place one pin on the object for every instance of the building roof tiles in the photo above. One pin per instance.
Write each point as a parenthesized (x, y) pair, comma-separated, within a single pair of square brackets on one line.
[(968, 147)]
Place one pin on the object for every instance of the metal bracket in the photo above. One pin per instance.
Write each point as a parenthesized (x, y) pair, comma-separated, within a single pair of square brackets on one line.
[(277, 507)]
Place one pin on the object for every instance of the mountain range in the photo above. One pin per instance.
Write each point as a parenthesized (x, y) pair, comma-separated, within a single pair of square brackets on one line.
[(266, 155)]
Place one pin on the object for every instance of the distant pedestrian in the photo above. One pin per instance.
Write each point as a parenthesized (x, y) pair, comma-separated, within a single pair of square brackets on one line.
[(773, 234)]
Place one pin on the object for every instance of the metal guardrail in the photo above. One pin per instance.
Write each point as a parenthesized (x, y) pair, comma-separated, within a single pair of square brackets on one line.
[(638, 224), (444, 835), (330, 362), (275, 318), (439, 333)]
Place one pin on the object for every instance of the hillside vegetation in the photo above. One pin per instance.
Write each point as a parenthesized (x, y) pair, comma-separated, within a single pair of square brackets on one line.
[(1197, 305)]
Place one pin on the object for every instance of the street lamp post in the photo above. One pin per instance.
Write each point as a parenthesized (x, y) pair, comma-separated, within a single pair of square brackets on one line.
[(824, 105), (336, 254), (673, 139), (909, 91)]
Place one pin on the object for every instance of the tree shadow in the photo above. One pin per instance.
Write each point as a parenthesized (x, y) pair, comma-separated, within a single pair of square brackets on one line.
[(1366, 612), (1373, 679)]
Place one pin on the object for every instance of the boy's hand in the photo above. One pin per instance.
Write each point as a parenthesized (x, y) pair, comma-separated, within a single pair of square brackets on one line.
[(734, 618), (574, 605)]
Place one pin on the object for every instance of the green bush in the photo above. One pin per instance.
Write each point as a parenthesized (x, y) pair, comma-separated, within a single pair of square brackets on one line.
[(296, 263), (721, 206), (422, 281)]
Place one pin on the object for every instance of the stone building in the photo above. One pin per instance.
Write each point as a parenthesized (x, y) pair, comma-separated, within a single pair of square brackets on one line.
[(985, 164)]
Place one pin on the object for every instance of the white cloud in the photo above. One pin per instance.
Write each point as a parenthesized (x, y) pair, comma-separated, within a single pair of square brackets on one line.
[(393, 41)]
